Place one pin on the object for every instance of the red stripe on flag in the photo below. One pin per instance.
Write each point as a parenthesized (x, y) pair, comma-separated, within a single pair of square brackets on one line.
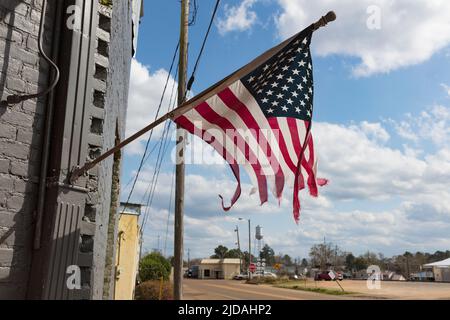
[(190, 127), (273, 122), (211, 116), (292, 123), (232, 102)]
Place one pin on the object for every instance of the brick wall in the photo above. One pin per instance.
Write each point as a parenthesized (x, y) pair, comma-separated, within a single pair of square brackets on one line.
[(21, 133), (21, 127)]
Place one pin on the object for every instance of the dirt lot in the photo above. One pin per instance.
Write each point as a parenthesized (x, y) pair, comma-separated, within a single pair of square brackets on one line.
[(389, 289)]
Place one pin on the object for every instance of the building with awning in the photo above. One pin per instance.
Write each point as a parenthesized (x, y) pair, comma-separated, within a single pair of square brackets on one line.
[(441, 270)]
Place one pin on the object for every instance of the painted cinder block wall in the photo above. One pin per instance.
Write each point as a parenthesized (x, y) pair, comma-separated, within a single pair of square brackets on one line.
[(116, 99)]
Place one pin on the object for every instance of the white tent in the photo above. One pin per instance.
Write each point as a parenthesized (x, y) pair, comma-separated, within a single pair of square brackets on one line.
[(439, 264)]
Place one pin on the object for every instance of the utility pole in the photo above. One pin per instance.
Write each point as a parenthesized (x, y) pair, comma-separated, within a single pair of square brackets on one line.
[(179, 173), (335, 257), (249, 250), (189, 258), (249, 247), (239, 248)]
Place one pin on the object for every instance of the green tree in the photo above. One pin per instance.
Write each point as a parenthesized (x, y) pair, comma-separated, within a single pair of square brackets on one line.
[(286, 260), (153, 266), (245, 258), (268, 254), (304, 263), (219, 252), (360, 263), (322, 255), (350, 261), (233, 253)]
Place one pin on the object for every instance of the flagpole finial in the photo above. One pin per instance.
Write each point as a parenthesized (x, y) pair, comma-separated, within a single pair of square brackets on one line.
[(324, 20)]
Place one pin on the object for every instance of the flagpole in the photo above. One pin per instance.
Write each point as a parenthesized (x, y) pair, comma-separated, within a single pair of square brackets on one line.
[(180, 147), (188, 105)]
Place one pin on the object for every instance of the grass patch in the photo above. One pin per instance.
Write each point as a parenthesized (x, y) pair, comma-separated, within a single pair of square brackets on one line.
[(264, 280), (317, 290)]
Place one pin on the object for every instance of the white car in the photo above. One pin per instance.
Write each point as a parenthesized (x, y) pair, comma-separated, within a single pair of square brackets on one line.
[(269, 275), (240, 277)]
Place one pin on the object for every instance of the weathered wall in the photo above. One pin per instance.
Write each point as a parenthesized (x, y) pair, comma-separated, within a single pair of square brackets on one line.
[(127, 259), (118, 65), (21, 127)]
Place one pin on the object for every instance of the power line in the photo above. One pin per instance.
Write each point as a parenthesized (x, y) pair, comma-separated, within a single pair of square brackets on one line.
[(149, 194), (162, 146), (168, 214), (141, 164), (194, 13), (192, 78)]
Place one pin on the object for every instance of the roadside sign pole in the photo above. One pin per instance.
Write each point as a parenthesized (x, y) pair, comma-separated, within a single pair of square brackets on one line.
[(339, 285), (239, 249)]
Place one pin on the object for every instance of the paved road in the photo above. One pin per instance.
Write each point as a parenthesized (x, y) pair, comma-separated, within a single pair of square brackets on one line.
[(236, 290)]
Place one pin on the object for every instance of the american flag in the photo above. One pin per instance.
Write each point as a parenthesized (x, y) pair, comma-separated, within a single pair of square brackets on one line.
[(260, 118)]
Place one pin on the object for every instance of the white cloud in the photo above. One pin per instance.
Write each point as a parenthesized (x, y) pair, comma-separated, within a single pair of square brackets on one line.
[(411, 32), (238, 18), (359, 167), (446, 88), (389, 199), (144, 97), (373, 131), (432, 125)]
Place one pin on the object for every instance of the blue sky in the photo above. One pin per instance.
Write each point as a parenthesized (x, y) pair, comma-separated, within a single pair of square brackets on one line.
[(381, 125)]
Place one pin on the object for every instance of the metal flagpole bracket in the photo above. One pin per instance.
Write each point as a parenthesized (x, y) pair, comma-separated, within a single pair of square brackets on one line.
[(324, 20), (78, 171)]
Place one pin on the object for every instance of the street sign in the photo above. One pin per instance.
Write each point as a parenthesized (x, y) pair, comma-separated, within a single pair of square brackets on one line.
[(252, 267), (332, 275)]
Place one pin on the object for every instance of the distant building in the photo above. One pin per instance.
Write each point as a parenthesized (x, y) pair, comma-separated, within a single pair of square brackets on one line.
[(128, 250), (218, 268), (441, 270), (397, 277), (422, 276)]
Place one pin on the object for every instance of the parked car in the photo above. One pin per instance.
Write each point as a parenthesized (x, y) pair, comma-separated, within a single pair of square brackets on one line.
[(325, 275), (347, 275), (322, 276), (240, 277), (297, 277), (269, 275)]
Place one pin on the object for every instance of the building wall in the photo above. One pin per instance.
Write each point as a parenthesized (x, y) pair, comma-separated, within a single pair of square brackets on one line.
[(227, 270), (127, 257), (112, 118), (21, 131), (441, 274), (212, 270), (230, 270)]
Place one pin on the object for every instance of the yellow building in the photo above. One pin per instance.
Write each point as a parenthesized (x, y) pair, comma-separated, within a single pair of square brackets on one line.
[(128, 249)]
